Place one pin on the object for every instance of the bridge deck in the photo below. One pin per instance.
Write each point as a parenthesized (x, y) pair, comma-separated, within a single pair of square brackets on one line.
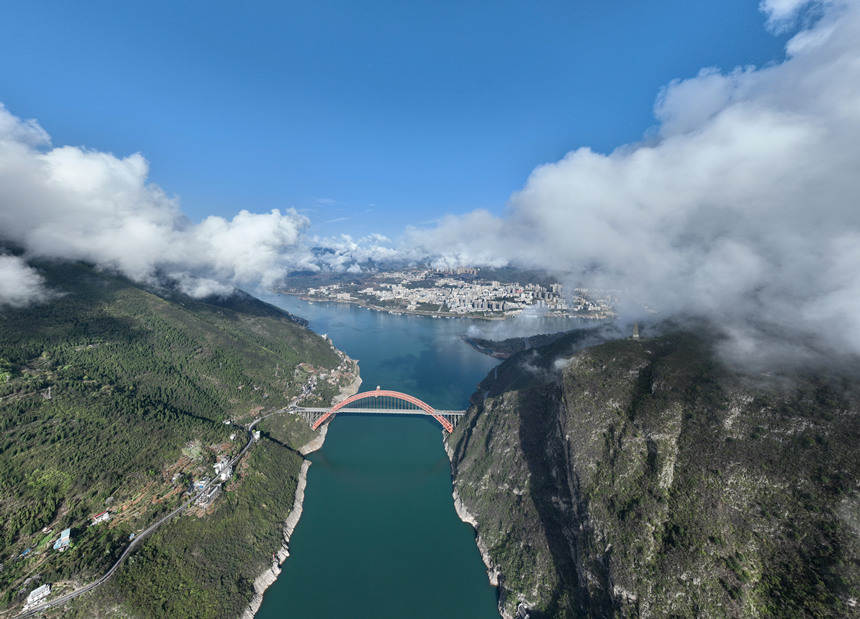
[(383, 411)]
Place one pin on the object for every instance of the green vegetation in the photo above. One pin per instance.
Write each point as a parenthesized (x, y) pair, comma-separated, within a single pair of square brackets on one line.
[(648, 478), (114, 397), (289, 430), (512, 275), (5, 371), (205, 567), (429, 307)]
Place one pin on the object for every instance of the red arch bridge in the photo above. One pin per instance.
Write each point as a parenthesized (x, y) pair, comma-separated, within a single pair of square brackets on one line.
[(383, 402)]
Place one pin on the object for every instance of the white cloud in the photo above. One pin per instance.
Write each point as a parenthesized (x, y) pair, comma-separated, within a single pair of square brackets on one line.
[(200, 287), (81, 204), (782, 10), (344, 253), (20, 284), (250, 247), (742, 207), (24, 132)]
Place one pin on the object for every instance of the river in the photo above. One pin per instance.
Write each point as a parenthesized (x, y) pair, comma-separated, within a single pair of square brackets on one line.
[(379, 536)]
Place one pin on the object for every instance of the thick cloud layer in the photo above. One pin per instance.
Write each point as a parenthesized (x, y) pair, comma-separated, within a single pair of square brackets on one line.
[(742, 207), (80, 204)]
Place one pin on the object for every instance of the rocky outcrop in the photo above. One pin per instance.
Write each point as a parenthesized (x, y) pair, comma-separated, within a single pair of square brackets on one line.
[(262, 582), (493, 570), (348, 390), (644, 478), (315, 443), (296, 513)]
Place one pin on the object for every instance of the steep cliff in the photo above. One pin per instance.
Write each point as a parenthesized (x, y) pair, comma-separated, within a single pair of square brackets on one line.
[(645, 478)]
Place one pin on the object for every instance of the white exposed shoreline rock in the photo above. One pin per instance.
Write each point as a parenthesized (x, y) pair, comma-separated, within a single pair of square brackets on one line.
[(350, 389), (314, 444), (270, 575), (493, 572)]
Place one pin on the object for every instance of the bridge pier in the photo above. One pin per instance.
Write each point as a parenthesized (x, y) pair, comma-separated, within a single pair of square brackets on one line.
[(311, 417), (453, 419)]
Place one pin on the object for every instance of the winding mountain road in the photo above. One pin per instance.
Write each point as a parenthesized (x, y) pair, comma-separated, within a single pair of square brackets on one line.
[(143, 534)]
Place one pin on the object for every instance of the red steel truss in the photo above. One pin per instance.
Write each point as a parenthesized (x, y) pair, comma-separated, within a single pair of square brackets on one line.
[(383, 393)]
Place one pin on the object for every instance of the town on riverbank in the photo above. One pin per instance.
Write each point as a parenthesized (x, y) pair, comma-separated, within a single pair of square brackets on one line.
[(461, 293)]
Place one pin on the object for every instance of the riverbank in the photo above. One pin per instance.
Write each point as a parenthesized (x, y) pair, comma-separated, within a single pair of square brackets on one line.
[(494, 573), (398, 311), (405, 307), (350, 389), (270, 575)]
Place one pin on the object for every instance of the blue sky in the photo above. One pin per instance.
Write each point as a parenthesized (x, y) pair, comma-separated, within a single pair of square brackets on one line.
[(364, 116)]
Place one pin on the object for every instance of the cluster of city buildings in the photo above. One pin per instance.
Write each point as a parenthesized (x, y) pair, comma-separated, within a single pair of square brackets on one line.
[(223, 468), (458, 296), (223, 472), (460, 292)]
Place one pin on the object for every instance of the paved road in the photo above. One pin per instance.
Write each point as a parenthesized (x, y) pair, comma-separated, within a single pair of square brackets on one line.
[(142, 535)]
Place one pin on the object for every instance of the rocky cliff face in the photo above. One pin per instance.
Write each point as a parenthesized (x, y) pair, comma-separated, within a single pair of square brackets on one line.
[(644, 478)]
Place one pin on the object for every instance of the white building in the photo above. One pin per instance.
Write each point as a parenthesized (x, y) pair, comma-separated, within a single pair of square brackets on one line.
[(37, 595), (223, 469), (206, 499)]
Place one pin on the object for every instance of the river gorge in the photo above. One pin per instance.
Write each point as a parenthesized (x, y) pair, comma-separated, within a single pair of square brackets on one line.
[(379, 536)]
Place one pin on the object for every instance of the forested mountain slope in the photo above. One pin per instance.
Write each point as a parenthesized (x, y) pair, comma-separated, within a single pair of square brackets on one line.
[(645, 478), (114, 397)]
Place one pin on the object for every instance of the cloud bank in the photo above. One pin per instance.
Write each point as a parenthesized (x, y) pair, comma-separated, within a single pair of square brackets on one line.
[(344, 253), (741, 206), (79, 204)]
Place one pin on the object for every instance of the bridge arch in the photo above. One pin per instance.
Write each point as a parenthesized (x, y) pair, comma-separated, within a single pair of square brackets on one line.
[(449, 427)]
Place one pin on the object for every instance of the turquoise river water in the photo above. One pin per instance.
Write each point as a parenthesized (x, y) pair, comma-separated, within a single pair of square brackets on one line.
[(379, 536)]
